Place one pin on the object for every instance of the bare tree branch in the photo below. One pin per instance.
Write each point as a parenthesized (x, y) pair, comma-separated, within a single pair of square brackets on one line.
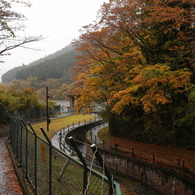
[(10, 23)]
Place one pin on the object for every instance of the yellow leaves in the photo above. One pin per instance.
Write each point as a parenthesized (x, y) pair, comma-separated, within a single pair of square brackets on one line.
[(180, 80), (158, 81), (118, 107), (151, 86), (117, 54), (161, 75), (124, 98), (96, 69), (88, 110), (151, 100), (150, 39)]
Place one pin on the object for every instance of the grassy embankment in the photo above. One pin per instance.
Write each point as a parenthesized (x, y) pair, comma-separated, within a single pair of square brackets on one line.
[(57, 124)]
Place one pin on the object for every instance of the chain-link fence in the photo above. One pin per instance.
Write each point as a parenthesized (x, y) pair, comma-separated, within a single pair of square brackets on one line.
[(52, 171), (34, 115)]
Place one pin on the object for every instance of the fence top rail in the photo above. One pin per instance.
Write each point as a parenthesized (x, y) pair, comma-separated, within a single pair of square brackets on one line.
[(66, 155)]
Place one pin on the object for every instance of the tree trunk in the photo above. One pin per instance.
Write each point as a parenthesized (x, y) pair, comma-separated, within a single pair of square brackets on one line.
[(112, 125)]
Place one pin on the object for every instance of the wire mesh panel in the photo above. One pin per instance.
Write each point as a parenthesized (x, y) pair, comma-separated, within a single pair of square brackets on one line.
[(31, 158), (24, 147), (13, 133), (19, 141), (52, 171), (43, 167), (97, 185), (67, 176)]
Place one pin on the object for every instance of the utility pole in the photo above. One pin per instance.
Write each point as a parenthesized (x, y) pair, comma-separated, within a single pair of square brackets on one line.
[(47, 109)]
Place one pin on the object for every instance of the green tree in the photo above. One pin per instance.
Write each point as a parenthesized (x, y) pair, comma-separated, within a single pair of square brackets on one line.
[(8, 104)]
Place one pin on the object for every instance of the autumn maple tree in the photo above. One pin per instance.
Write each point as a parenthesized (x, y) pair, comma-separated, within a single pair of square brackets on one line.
[(137, 62)]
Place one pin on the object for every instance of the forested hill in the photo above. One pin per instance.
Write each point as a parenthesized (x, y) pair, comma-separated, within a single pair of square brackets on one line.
[(55, 66)]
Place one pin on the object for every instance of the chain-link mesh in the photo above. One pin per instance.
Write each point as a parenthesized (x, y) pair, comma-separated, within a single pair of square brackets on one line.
[(24, 148), (19, 141), (67, 176), (31, 160), (43, 169), (51, 171), (97, 185)]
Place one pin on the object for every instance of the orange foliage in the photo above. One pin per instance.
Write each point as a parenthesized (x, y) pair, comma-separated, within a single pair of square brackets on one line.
[(119, 56)]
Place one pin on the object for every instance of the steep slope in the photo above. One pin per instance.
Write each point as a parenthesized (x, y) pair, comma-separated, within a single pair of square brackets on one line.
[(54, 66)]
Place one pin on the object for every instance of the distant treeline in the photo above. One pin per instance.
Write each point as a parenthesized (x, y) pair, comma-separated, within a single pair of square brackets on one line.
[(55, 66)]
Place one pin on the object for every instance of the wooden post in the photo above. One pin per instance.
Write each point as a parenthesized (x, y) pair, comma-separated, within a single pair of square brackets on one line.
[(153, 158), (132, 152)]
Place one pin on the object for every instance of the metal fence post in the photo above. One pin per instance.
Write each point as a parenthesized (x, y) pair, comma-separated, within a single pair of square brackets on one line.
[(17, 138), (116, 147), (21, 140), (50, 160), (35, 144), (183, 165), (107, 173), (26, 155), (153, 158), (83, 162), (60, 139), (12, 132), (132, 152), (28, 151)]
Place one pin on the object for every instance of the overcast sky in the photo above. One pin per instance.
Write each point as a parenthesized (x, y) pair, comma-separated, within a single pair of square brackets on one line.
[(59, 21)]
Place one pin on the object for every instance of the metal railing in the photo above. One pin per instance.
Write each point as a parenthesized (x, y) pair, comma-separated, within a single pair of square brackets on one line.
[(129, 155), (173, 163), (60, 137), (52, 171)]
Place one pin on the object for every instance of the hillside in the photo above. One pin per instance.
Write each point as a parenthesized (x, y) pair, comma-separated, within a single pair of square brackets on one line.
[(55, 66)]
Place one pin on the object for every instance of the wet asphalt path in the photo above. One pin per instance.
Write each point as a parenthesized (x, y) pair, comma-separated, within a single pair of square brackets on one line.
[(9, 184)]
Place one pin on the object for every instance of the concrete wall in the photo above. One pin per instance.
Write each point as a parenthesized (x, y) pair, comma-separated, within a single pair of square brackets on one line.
[(167, 181)]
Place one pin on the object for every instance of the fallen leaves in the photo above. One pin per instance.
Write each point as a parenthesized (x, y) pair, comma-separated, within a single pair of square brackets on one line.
[(165, 155), (9, 181)]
